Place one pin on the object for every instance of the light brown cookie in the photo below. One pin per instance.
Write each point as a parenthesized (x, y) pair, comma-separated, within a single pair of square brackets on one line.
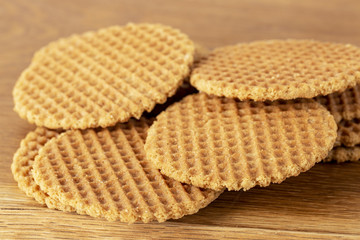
[(343, 105), (278, 69), (104, 173), (344, 154), (22, 164), (103, 77), (215, 142)]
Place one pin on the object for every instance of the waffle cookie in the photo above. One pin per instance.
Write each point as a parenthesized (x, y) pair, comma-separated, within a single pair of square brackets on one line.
[(214, 142), (348, 133), (22, 166), (104, 173), (344, 154), (103, 77), (278, 69), (343, 105)]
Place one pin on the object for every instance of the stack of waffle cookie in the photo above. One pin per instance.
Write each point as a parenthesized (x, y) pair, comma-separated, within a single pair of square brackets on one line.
[(123, 133), (345, 107)]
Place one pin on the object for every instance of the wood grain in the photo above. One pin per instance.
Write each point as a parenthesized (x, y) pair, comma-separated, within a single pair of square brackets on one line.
[(323, 203)]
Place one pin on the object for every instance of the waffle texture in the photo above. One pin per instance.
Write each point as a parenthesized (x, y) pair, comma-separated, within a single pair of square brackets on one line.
[(348, 133), (103, 77), (343, 105), (344, 154), (214, 142), (22, 167), (104, 173), (278, 69)]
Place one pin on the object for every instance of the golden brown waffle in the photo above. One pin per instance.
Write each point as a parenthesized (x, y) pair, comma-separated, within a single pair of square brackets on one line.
[(278, 69), (23, 160), (104, 173), (344, 105), (344, 154), (104, 77), (215, 142), (348, 133)]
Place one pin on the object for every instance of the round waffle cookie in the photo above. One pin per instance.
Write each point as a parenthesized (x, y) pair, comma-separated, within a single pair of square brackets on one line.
[(104, 173), (278, 69), (215, 142), (22, 166), (344, 154), (343, 105), (103, 77)]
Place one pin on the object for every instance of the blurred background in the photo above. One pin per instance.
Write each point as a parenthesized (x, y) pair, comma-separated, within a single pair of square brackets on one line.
[(214, 22)]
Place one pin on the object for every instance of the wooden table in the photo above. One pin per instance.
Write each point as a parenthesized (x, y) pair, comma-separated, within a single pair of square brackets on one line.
[(323, 203)]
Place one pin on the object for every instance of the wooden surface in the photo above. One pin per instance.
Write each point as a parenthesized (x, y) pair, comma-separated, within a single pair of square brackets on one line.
[(323, 203)]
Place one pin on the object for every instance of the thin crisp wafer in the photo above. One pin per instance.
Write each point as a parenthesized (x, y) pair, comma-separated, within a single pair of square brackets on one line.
[(23, 160), (278, 69), (215, 142), (103, 77), (344, 154), (343, 105), (104, 173)]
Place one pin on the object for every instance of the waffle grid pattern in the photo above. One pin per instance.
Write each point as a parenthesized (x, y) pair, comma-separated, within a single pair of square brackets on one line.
[(348, 133), (104, 173), (344, 105), (101, 78), (214, 142), (278, 69), (22, 167)]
